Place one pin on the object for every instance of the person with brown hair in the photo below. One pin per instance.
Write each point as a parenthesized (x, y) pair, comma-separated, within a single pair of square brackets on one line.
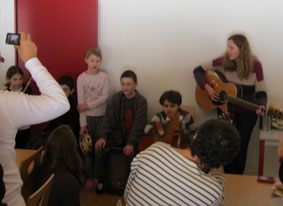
[(93, 92), (61, 157), (165, 175), (18, 109), (14, 78), (239, 66)]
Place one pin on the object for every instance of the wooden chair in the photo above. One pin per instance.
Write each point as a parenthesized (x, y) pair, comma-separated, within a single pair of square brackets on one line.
[(146, 141), (189, 109), (41, 196), (28, 169)]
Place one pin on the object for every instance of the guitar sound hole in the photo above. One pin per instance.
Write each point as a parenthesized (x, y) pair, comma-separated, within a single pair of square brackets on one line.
[(222, 97)]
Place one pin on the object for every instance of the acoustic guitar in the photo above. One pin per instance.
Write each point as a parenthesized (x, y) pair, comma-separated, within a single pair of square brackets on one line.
[(170, 136), (228, 93)]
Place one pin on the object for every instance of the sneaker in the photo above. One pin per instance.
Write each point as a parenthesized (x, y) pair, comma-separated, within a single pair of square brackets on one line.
[(100, 188), (95, 182), (89, 185)]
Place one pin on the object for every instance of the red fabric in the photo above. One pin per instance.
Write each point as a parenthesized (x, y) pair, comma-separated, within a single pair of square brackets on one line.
[(128, 119)]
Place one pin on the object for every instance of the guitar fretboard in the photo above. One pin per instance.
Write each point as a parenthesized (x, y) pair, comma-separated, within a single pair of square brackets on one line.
[(243, 103)]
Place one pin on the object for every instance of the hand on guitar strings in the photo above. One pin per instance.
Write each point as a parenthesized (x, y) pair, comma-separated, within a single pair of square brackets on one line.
[(212, 93)]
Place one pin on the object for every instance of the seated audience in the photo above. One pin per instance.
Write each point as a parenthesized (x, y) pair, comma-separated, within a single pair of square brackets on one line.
[(122, 125), (14, 78), (171, 102), (280, 156), (18, 109), (62, 159), (163, 175), (70, 118)]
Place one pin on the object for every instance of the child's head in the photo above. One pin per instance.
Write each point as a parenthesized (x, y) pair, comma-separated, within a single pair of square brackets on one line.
[(61, 150), (14, 78), (93, 59), (67, 84), (170, 101), (129, 83)]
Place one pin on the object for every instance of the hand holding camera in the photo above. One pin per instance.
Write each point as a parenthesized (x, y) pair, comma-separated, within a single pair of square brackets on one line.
[(27, 49)]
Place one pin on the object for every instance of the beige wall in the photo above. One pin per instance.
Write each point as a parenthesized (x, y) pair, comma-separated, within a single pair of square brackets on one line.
[(166, 39)]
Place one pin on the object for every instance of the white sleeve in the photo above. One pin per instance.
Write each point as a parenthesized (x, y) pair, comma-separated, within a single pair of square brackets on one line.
[(33, 109)]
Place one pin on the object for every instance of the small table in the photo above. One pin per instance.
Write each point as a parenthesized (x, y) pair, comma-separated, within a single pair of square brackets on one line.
[(270, 136), (246, 190)]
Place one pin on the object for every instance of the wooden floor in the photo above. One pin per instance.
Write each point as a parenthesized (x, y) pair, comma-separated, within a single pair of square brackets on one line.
[(90, 198)]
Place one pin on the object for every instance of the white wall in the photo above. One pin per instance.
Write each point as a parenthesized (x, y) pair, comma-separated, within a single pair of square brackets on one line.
[(166, 39), (7, 24)]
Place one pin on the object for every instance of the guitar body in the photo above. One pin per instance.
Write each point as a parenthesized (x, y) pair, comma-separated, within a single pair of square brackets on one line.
[(217, 82), (170, 136)]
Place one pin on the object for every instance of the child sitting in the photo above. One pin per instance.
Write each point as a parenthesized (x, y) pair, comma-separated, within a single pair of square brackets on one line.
[(70, 118), (14, 78), (171, 102), (122, 125), (61, 158)]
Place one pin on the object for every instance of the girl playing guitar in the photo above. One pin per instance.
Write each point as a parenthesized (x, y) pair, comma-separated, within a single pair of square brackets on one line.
[(240, 67)]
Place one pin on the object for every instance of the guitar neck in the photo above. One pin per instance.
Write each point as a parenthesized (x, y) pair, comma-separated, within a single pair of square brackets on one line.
[(243, 103)]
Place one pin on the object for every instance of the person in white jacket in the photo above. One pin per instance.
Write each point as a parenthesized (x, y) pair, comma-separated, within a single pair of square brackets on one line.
[(18, 109)]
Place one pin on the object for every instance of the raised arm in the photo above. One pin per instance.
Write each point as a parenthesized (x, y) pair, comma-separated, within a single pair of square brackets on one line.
[(32, 109)]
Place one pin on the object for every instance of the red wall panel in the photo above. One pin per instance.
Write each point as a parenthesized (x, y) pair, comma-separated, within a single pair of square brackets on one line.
[(62, 30)]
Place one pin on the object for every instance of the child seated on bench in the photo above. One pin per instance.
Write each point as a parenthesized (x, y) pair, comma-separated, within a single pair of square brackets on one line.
[(171, 102)]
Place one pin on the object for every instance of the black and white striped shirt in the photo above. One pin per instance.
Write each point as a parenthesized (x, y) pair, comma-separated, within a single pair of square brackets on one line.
[(162, 176)]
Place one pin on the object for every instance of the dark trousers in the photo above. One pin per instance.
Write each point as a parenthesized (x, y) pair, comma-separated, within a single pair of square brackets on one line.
[(22, 138), (89, 159), (245, 122)]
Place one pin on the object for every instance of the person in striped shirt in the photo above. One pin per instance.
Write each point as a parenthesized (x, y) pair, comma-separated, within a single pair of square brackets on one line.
[(163, 175)]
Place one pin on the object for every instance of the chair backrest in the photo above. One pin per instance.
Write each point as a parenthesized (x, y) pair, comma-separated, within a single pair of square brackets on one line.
[(41, 196), (189, 109), (28, 169)]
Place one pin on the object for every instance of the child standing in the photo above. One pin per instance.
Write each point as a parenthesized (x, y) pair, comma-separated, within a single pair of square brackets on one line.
[(14, 78), (93, 91)]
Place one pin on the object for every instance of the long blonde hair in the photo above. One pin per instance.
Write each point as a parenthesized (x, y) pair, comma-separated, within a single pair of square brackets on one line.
[(244, 63)]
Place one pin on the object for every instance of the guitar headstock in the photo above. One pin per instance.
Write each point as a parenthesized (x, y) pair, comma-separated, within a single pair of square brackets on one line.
[(275, 113), (227, 116)]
